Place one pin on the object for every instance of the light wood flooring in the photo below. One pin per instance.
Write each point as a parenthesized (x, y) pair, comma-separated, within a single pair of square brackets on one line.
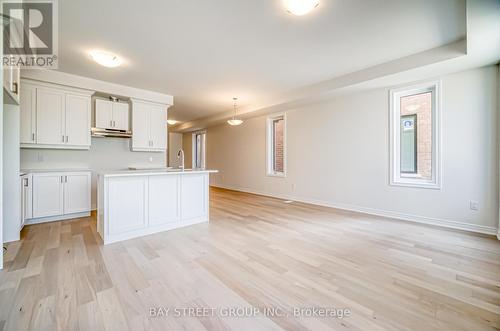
[(259, 252)]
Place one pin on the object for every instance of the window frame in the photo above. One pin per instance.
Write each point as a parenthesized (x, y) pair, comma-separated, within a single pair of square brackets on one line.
[(269, 146), (410, 180)]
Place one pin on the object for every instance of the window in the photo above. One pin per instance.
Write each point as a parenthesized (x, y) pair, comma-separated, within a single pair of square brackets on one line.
[(276, 145), (415, 136), (199, 143)]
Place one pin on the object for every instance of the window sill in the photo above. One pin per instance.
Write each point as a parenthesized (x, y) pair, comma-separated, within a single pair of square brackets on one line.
[(276, 174), (416, 183)]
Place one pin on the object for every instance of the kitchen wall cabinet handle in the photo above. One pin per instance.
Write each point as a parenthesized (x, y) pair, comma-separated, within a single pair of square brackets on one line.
[(62, 179), (62, 138), (66, 138), (33, 136), (26, 182), (111, 123), (14, 88)]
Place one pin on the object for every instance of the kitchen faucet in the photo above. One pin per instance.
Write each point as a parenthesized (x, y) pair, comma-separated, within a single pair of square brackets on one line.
[(180, 154)]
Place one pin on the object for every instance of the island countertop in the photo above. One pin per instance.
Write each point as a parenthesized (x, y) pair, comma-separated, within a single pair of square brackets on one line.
[(153, 172)]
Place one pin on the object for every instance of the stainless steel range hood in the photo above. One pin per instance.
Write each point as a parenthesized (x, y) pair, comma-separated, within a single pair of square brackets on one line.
[(99, 132)]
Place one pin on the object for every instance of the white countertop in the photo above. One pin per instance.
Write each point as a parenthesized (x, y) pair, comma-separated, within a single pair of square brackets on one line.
[(152, 172), (31, 171)]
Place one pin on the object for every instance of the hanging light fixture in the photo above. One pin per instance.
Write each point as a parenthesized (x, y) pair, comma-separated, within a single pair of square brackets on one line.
[(234, 120)]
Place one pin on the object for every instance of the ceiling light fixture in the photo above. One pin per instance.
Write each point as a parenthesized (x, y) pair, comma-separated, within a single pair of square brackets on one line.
[(172, 122), (106, 59), (234, 120), (300, 7)]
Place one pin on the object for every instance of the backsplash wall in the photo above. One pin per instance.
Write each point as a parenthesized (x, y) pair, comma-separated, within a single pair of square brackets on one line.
[(104, 154)]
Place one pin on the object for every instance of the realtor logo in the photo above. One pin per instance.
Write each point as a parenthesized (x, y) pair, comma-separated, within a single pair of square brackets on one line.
[(30, 34)]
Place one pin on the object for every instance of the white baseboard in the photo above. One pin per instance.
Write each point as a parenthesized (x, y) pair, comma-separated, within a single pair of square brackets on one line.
[(378, 212), (56, 218)]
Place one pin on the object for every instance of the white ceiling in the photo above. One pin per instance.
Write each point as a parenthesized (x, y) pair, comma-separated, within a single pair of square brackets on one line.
[(205, 52)]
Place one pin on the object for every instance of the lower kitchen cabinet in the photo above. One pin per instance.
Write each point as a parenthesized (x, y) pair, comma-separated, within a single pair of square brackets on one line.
[(58, 195)]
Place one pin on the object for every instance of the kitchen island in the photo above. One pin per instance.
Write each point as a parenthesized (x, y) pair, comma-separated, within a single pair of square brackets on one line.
[(135, 203)]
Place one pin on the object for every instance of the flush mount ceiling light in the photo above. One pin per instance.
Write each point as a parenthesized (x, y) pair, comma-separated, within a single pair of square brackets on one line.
[(172, 122), (234, 120), (106, 59), (300, 7)]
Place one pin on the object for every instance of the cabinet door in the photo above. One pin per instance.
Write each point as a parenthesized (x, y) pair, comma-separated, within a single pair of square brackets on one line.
[(140, 126), (126, 204), (76, 192), (77, 120), (158, 127), (28, 190), (120, 116), (28, 114), (47, 194), (163, 199), (194, 196), (103, 114), (50, 106)]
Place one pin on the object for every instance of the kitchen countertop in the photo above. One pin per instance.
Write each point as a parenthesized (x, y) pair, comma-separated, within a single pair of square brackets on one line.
[(121, 173), (31, 171)]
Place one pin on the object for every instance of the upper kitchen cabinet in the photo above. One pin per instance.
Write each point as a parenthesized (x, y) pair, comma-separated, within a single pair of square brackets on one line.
[(149, 121), (54, 116), (11, 74), (111, 115)]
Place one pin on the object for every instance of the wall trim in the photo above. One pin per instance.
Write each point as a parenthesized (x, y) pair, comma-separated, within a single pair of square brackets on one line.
[(376, 212)]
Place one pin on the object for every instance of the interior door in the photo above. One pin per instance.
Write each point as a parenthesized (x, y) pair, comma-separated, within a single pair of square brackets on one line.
[(27, 110), (50, 105), (158, 127), (103, 114), (120, 116), (140, 126), (76, 192), (47, 195), (77, 120)]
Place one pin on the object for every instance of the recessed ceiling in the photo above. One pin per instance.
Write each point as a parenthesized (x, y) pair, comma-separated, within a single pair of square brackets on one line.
[(205, 52)]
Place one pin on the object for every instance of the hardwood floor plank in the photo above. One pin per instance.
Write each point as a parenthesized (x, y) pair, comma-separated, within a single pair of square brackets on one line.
[(256, 252)]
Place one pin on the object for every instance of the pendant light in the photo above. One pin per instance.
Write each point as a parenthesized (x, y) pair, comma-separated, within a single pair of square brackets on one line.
[(234, 121)]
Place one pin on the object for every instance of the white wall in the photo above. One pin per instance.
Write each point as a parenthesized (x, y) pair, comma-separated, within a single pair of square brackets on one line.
[(11, 181), (338, 155), (105, 153), (174, 144)]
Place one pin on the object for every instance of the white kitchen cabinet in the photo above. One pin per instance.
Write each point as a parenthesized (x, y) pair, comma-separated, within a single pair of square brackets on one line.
[(48, 195), (128, 196), (120, 116), (28, 114), (77, 126), (194, 195), (53, 116), (140, 127), (149, 122), (111, 115), (50, 108), (11, 79), (11, 75), (26, 198), (134, 204), (76, 192), (164, 200), (59, 195)]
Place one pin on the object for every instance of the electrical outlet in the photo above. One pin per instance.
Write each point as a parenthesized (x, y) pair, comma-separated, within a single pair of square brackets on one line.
[(474, 205), (150, 159)]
